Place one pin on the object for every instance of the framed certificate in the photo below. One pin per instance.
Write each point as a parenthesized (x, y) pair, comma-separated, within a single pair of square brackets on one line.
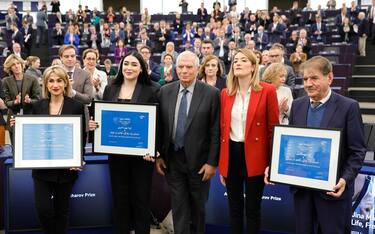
[(305, 157), (47, 141), (125, 128)]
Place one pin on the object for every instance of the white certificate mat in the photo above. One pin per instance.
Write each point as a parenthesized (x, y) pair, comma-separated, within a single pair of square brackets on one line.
[(48, 141)]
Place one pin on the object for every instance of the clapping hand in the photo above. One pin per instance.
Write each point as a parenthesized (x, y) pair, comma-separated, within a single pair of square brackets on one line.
[(18, 99), (27, 99), (283, 106)]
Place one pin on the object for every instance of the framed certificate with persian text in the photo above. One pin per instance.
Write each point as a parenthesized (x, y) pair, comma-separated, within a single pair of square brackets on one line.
[(125, 128)]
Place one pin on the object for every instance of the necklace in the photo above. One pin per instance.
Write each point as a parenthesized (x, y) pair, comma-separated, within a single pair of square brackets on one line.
[(59, 111)]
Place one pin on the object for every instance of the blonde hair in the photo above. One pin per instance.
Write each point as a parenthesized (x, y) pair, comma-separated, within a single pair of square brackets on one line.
[(9, 62), (232, 80), (56, 61), (61, 73), (207, 59), (31, 59), (272, 72)]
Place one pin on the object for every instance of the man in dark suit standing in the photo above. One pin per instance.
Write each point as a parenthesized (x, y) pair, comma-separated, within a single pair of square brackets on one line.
[(162, 36), (202, 13), (363, 28), (81, 81), (27, 33), (261, 39), (82, 87), (319, 29), (58, 35), (189, 143), (328, 212), (17, 36)]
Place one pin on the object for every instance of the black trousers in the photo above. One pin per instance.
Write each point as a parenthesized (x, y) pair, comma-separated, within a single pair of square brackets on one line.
[(52, 205), (238, 181), (188, 194), (131, 179)]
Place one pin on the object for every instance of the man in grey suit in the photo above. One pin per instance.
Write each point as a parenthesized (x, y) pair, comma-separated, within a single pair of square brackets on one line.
[(189, 143), (276, 55), (81, 81), (83, 89), (41, 26)]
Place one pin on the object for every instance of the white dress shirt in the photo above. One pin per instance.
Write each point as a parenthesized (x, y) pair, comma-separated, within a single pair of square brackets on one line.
[(239, 116)]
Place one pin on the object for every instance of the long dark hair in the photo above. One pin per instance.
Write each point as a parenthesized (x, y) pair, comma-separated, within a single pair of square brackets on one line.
[(143, 77)]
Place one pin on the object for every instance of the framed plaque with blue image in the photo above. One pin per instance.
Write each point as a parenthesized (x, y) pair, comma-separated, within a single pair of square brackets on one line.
[(47, 141), (125, 128), (305, 157)]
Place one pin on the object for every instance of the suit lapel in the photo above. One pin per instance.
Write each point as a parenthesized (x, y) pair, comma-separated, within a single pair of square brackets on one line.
[(304, 108), (228, 106), (25, 85), (329, 111), (45, 107), (172, 96), (13, 86), (252, 108), (136, 95), (115, 91), (196, 100)]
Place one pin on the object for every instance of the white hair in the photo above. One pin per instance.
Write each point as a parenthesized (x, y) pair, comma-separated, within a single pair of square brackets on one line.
[(188, 53)]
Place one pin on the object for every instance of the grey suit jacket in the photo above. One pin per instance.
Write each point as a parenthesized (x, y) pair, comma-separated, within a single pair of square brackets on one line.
[(202, 141), (83, 86)]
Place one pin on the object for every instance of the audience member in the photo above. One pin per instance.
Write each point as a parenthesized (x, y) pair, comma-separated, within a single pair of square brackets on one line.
[(167, 70), (275, 74), (211, 72), (153, 69)]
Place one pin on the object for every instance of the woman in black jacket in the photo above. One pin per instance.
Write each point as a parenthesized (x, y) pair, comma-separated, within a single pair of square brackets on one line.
[(52, 187), (131, 176)]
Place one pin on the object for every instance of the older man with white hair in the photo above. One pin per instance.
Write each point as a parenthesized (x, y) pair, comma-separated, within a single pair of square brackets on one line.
[(363, 30), (189, 143)]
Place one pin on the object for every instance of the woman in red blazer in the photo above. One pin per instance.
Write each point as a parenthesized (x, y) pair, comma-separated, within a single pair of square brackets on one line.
[(249, 109)]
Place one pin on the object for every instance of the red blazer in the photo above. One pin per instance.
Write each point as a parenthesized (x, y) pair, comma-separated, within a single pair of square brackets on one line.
[(262, 114)]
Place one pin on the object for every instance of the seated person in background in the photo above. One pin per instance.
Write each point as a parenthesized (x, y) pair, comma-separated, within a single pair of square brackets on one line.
[(297, 58), (120, 51), (109, 70), (167, 70), (293, 37), (169, 49), (275, 74), (265, 59), (211, 72)]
